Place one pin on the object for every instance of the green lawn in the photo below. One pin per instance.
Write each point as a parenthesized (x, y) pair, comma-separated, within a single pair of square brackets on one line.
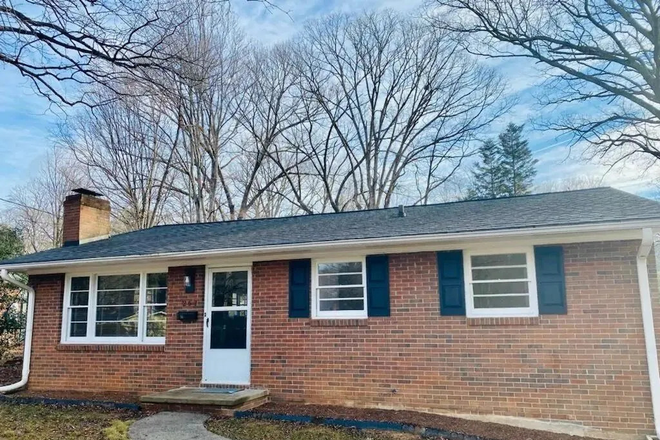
[(31, 422), (249, 429)]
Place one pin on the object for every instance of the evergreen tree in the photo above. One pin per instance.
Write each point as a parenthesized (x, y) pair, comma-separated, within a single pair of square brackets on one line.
[(488, 176), (11, 244), (518, 165)]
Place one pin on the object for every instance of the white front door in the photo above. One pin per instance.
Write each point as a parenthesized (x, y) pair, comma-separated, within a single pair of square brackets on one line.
[(227, 327)]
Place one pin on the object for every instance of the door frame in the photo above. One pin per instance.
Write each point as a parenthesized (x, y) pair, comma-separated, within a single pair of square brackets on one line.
[(208, 292)]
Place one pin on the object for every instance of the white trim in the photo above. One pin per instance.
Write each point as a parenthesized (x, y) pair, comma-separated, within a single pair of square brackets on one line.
[(472, 312), (208, 308), (140, 339), (339, 314), (556, 234), (27, 350), (648, 324)]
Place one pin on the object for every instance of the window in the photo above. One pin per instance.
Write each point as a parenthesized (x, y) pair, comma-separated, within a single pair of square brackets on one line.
[(116, 308), (156, 305), (339, 289), (78, 306), (501, 284)]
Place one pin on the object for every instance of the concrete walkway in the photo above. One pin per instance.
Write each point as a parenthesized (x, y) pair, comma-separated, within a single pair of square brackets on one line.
[(172, 426)]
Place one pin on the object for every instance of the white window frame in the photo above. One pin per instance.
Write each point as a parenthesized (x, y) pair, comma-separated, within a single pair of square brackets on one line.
[(531, 311), (140, 339), (338, 314)]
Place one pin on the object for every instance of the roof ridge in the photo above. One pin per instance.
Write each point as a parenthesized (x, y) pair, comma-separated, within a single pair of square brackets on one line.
[(318, 214)]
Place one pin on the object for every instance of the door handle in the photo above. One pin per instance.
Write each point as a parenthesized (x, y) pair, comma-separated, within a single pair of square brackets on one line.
[(207, 322)]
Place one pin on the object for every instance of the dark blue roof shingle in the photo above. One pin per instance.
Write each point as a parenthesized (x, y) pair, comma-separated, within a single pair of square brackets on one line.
[(593, 206)]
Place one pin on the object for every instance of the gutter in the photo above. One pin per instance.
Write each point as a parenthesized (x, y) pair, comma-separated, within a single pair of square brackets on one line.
[(27, 350), (647, 321), (533, 232)]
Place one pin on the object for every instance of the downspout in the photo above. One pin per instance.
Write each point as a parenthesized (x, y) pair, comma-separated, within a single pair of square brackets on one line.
[(647, 321), (27, 350)]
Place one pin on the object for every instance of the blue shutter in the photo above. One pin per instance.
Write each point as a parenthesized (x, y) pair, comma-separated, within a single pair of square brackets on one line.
[(300, 274), (378, 285), (550, 280), (451, 283)]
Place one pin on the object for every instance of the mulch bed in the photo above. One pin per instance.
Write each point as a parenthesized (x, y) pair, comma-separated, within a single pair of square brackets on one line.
[(84, 396), (491, 431), (10, 372)]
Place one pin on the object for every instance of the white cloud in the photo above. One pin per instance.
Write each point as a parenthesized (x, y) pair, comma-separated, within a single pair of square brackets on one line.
[(564, 162), (270, 25)]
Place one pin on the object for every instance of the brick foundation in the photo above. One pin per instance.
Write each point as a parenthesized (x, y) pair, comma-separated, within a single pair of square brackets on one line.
[(588, 366)]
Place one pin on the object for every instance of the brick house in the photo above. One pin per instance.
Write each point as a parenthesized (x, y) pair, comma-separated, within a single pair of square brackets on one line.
[(533, 307)]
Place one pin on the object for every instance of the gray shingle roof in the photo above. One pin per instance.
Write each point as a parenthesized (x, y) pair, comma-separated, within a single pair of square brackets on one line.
[(600, 205)]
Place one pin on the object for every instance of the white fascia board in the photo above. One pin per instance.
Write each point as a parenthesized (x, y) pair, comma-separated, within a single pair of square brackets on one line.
[(413, 243)]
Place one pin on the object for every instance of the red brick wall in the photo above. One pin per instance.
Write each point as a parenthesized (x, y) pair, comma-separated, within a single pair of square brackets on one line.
[(85, 218), (587, 366), (122, 368)]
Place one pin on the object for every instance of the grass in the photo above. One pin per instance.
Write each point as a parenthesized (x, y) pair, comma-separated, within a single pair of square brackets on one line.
[(118, 430), (33, 422), (250, 429)]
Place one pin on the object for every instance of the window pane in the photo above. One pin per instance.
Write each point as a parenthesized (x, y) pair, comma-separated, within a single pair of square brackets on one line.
[(122, 282), (116, 329), (340, 267), (339, 280), (495, 288), (499, 260), (78, 330), (79, 298), (156, 329), (120, 313), (346, 304), (341, 292), (156, 296), (514, 273), (230, 289), (80, 283), (229, 329), (79, 314), (157, 280), (499, 302), (156, 321), (118, 297)]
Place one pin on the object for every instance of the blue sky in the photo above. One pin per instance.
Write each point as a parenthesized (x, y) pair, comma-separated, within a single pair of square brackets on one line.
[(26, 120)]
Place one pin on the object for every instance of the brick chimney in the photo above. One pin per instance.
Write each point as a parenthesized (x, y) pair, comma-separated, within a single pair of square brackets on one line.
[(86, 217)]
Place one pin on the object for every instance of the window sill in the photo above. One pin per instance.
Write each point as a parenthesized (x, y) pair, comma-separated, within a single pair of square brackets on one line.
[(110, 348), (511, 321), (339, 322)]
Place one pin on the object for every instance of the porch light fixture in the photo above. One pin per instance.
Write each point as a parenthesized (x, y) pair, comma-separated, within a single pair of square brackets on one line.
[(189, 280)]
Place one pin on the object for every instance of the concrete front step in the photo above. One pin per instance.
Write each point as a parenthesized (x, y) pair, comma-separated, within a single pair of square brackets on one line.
[(209, 397)]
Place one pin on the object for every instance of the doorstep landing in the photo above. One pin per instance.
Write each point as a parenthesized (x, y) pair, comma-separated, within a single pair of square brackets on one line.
[(205, 396)]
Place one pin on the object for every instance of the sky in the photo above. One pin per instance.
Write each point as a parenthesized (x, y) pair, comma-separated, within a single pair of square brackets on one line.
[(27, 120)]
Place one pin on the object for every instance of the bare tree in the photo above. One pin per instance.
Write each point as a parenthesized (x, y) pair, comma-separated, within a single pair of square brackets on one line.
[(62, 43), (203, 98), (273, 105), (602, 52), (126, 147), (584, 181), (391, 95), (36, 208)]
